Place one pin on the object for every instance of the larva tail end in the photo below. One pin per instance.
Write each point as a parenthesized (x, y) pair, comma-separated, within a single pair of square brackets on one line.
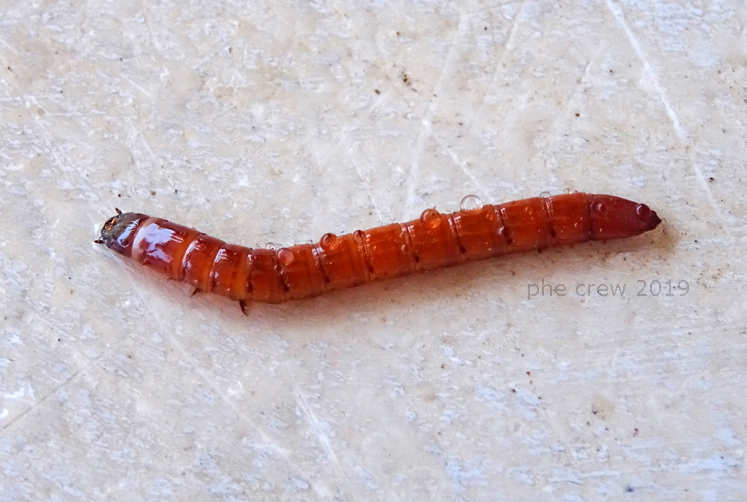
[(119, 230), (653, 221), (614, 218)]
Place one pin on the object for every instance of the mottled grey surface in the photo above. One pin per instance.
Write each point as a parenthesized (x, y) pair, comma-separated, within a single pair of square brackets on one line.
[(279, 121)]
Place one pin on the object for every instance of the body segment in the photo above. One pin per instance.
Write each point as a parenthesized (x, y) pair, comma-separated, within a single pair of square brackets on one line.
[(434, 240)]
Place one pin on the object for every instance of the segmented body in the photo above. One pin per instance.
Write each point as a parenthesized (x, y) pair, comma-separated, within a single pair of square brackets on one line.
[(434, 240)]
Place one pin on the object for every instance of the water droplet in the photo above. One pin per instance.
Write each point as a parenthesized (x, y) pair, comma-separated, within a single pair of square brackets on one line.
[(600, 207), (545, 195), (642, 211), (285, 256), (470, 203), (430, 217), (568, 191), (272, 245), (328, 242), (359, 235)]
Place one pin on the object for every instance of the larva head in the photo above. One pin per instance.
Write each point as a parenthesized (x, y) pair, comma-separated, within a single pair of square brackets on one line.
[(616, 218), (119, 231)]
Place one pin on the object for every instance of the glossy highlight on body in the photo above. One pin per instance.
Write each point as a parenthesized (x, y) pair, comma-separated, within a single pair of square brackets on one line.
[(434, 240)]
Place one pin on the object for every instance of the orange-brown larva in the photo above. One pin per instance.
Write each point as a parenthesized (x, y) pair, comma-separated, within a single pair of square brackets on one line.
[(434, 240)]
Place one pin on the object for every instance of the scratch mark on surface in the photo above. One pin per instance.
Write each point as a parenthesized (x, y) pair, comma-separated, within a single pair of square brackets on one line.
[(210, 381), (709, 195), (38, 126), (678, 129), (420, 145), (138, 87), (462, 165), (9, 47), (560, 120), (586, 70), (517, 104), (367, 185), (620, 16), (342, 143), (321, 436), (43, 134), (87, 14), (72, 377), (325, 195), (43, 399), (153, 36), (581, 81), (508, 47), (137, 132)]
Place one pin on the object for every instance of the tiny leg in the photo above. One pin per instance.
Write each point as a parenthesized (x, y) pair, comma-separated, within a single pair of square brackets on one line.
[(244, 305)]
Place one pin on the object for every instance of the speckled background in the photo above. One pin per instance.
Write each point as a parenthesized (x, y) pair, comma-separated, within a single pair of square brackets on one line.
[(275, 122)]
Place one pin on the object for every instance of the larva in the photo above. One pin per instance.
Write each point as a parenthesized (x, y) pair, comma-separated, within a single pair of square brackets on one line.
[(434, 240)]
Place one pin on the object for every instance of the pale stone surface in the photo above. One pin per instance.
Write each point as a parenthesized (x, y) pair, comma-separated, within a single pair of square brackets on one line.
[(279, 121)]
